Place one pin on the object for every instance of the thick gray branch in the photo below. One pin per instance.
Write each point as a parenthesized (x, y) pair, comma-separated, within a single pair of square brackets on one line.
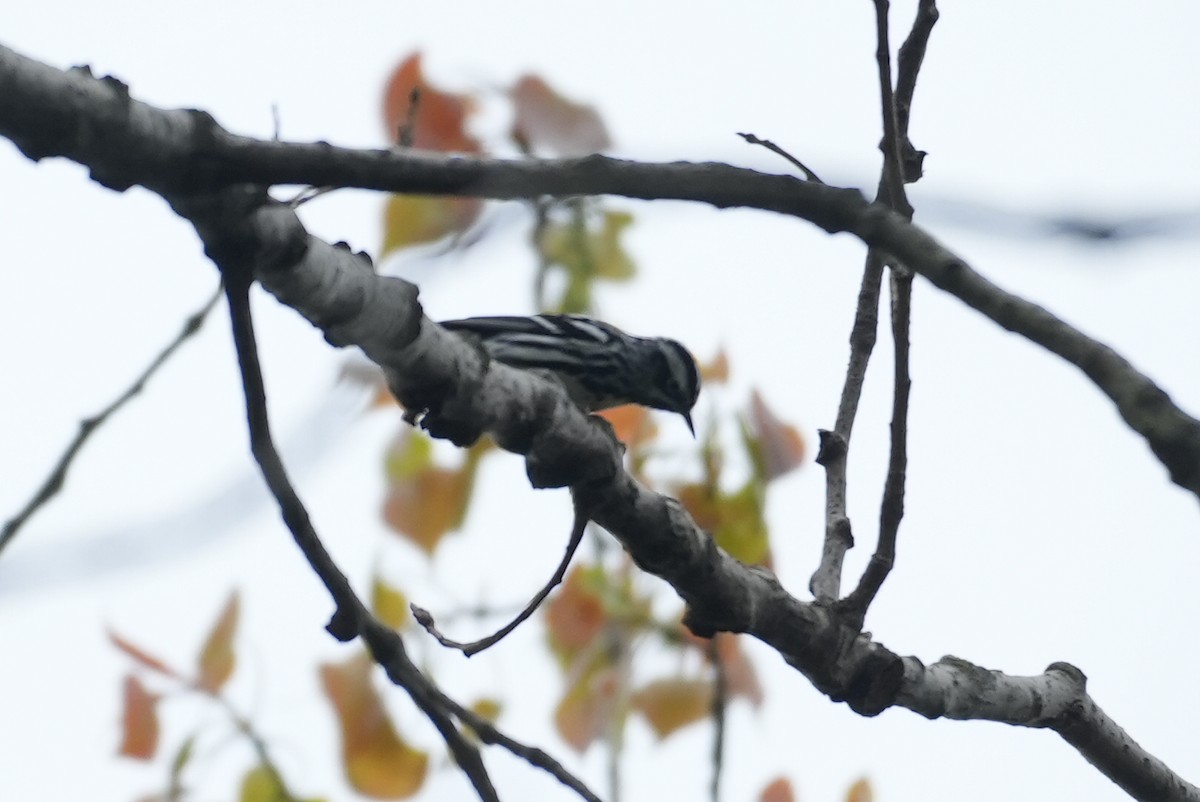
[(47, 112)]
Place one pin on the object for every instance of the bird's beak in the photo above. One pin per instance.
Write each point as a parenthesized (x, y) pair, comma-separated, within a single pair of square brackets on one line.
[(687, 416)]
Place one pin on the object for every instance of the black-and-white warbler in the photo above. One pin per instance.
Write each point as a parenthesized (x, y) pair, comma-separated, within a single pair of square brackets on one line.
[(599, 365)]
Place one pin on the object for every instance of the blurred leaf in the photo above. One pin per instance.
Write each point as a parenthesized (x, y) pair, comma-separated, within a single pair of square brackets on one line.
[(378, 763), (143, 658), (588, 252), (632, 424), (217, 659), (860, 792), (671, 704), (441, 117), (586, 711), (701, 504), (425, 502), (139, 721), (576, 614), (183, 756), (778, 445), (261, 784), (778, 790), (742, 530), (740, 677), (545, 121), (487, 709), (716, 371), (389, 604), (417, 219)]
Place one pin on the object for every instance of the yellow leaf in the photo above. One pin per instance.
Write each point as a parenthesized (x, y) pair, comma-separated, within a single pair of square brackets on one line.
[(416, 219), (671, 704), (217, 658), (389, 604), (377, 761), (742, 529), (261, 784), (860, 792)]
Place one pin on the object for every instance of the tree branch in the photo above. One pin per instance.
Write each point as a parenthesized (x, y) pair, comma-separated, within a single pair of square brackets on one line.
[(58, 474), (430, 369)]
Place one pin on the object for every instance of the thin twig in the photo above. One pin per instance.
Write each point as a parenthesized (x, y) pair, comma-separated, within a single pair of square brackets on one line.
[(771, 146), (897, 150), (488, 733), (720, 702), (425, 619), (58, 475), (834, 452), (351, 618)]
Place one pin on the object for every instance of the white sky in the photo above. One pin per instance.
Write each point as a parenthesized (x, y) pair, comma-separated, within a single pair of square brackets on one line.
[(1038, 527)]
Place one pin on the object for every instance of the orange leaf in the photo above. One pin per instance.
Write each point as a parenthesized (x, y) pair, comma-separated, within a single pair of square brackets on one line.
[(575, 615), (142, 657), (778, 790), (378, 763), (700, 503), (584, 713), (425, 502), (217, 658), (440, 120), (781, 445), (740, 677), (547, 121), (416, 219), (139, 721), (671, 704), (632, 424), (860, 792)]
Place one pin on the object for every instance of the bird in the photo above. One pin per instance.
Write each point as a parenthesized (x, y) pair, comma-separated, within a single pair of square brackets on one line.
[(599, 365)]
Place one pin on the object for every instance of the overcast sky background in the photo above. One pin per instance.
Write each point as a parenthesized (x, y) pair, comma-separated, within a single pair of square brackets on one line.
[(1038, 527)]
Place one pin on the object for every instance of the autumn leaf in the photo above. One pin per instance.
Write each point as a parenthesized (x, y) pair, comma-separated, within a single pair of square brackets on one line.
[(217, 659), (716, 370), (631, 423), (668, 705), (575, 615), (585, 712), (441, 117), (139, 721), (592, 252), (261, 784), (377, 761), (142, 657), (389, 605), (778, 446), (742, 529), (860, 792), (424, 502), (417, 219), (545, 121), (741, 680), (778, 790)]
